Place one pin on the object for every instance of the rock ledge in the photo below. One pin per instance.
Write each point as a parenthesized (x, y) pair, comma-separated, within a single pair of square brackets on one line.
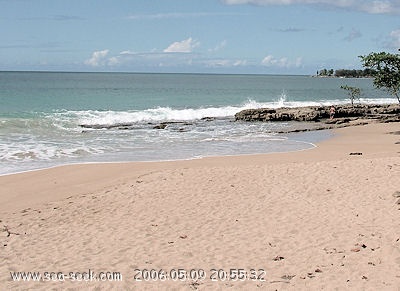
[(383, 113)]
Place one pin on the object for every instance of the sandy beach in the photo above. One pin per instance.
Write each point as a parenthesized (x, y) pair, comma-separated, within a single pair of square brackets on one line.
[(327, 218)]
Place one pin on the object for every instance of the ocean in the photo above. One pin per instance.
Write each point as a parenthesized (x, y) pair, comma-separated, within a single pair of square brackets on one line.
[(54, 118)]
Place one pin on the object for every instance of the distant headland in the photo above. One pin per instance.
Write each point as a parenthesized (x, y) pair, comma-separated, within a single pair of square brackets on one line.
[(344, 73)]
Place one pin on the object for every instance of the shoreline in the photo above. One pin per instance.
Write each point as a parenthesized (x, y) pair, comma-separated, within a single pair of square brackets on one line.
[(313, 145), (67, 171), (320, 218), (58, 171), (305, 127)]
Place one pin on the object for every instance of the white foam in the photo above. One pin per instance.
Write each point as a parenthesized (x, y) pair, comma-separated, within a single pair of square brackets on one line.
[(160, 114), (54, 138)]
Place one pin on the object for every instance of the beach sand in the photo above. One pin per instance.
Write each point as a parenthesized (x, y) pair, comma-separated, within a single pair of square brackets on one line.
[(326, 218)]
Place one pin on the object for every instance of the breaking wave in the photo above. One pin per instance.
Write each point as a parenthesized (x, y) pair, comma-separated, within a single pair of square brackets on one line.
[(162, 114)]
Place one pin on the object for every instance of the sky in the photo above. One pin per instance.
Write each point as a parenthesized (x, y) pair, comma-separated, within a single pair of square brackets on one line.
[(195, 36)]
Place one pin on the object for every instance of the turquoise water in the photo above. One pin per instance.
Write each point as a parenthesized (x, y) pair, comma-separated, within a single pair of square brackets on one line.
[(49, 119)]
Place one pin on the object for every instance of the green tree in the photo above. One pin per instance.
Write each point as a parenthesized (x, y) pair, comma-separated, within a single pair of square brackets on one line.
[(353, 92), (386, 69), (323, 72)]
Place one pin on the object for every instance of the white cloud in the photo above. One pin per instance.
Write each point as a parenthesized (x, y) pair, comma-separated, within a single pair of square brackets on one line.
[(381, 7), (284, 62), (99, 58), (219, 46), (224, 63), (179, 15), (240, 63), (373, 7), (128, 52), (291, 29), (354, 34), (395, 35), (393, 41), (173, 59), (130, 59), (268, 60), (184, 46), (299, 62), (114, 61)]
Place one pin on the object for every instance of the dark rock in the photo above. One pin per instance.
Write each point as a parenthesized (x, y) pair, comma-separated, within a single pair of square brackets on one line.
[(343, 120), (343, 114), (208, 118), (160, 126), (108, 126), (339, 120), (388, 119)]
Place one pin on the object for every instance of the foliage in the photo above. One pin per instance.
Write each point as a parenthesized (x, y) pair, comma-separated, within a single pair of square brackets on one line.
[(344, 73), (354, 73), (353, 92), (387, 71), (325, 73)]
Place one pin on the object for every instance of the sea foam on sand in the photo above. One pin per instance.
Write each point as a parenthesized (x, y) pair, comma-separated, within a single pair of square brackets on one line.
[(324, 218)]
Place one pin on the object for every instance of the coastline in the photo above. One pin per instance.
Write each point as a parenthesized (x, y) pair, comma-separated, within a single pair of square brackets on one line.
[(316, 209), (312, 145)]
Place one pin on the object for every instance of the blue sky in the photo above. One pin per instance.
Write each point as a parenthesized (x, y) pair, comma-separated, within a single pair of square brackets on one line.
[(213, 36)]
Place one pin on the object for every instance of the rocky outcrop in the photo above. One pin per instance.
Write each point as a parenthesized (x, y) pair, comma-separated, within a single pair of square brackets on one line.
[(133, 125), (160, 126), (388, 113), (109, 126)]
